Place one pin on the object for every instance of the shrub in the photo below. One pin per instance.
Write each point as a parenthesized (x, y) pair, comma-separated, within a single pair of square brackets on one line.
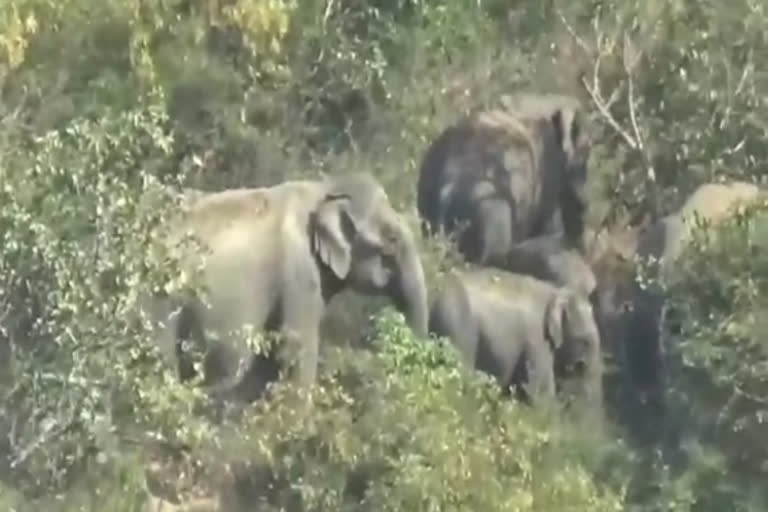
[(403, 426), (74, 234), (720, 372)]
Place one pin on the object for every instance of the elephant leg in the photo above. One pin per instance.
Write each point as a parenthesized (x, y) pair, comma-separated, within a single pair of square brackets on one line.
[(644, 350), (302, 309), (171, 329), (188, 332), (224, 367), (450, 317), (493, 222), (232, 315), (488, 237)]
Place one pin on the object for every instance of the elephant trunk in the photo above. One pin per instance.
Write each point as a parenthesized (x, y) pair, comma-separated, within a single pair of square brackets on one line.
[(409, 290)]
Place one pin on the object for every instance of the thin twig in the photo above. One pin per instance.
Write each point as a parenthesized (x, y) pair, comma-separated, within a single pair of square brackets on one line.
[(748, 67), (579, 41), (597, 100), (327, 13), (594, 89), (631, 95), (605, 46), (55, 430)]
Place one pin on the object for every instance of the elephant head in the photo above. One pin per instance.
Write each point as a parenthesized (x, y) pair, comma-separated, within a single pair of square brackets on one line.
[(574, 337), (362, 243)]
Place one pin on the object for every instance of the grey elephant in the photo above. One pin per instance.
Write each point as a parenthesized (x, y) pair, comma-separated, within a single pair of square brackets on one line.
[(523, 331), (550, 258), (664, 242), (502, 175), (274, 258)]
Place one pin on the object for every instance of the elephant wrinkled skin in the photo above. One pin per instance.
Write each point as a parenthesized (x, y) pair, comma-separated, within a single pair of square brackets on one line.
[(276, 256), (507, 173), (521, 330)]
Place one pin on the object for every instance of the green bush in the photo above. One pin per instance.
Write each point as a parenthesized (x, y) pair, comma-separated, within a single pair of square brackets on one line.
[(72, 266), (403, 426), (719, 378)]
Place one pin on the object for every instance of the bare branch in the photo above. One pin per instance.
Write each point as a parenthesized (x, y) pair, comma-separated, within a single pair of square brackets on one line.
[(327, 13), (630, 61), (579, 41), (628, 65), (594, 90), (748, 68), (50, 431), (615, 96), (631, 57), (603, 108)]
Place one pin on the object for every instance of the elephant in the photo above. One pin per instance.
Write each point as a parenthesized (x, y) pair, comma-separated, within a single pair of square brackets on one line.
[(522, 331), (665, 241), (509, 173), (610, 254), (710, 202), (550, 258), (274, 257)]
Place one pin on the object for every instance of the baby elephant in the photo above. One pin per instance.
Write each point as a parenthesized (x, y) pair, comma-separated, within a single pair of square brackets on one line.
[(521, 330)]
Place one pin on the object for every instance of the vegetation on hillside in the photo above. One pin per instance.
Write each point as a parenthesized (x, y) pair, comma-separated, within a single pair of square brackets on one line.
[(104, 103)]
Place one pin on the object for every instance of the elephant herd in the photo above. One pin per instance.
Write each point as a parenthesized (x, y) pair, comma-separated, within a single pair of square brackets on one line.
[(534, 307)]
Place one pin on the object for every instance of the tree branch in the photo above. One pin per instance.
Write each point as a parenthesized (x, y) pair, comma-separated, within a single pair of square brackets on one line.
[(632, 136)]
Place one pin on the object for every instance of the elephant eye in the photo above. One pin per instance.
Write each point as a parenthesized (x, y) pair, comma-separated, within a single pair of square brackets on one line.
[(369, 242), (389, 240)]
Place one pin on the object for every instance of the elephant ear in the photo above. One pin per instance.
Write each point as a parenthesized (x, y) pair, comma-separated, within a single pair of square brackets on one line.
[(567, 127), (555, 316), (331, 230)]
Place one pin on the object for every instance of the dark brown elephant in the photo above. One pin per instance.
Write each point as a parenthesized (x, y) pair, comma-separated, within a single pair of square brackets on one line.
[(664, 242), (276, 256), (506, 174), (631, 316)]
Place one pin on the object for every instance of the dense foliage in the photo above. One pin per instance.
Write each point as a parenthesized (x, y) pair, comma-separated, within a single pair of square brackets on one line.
[(107, 105)]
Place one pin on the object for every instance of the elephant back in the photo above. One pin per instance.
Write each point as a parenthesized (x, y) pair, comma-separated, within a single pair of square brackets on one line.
[(478, 147), (551, 258), (710, 202), (492, 282), (714, 201), (497, 130)]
